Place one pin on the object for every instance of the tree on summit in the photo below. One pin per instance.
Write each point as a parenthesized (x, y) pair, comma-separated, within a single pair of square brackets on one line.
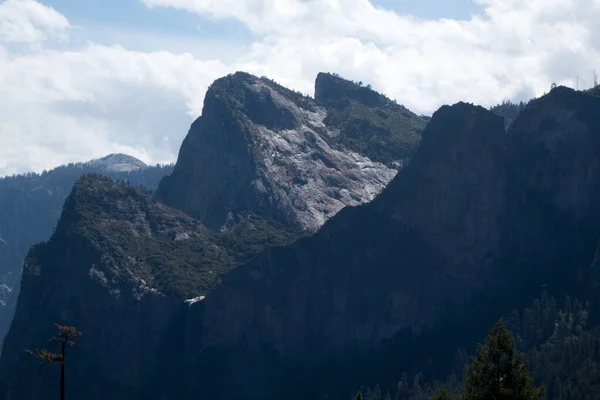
[(65, 338)]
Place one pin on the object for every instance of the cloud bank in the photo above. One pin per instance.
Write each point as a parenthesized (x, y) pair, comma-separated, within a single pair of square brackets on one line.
[(64, 101)]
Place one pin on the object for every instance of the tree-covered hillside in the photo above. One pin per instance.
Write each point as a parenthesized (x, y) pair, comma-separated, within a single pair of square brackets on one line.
[(561, 346), (31, 204)]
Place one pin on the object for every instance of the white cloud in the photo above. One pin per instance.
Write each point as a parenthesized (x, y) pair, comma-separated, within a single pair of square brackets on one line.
[(29, 21), (516, 47), (73, 106), (94, 99)]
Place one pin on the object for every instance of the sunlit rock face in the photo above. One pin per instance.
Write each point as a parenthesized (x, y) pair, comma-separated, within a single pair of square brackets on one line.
[(262, 148)]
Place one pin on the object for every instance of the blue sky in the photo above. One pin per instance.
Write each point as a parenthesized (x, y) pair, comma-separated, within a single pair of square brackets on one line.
[(131, 22), (433, 9), (133, 14), (84, 78)]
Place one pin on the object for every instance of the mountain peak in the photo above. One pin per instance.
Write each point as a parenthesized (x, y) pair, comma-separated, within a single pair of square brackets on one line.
[(332, 89), (107, 217), (262, 100), (241, 78), (117, 162), (269, 150)]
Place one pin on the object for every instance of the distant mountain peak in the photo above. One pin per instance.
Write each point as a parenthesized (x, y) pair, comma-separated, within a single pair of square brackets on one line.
[(117, 162)]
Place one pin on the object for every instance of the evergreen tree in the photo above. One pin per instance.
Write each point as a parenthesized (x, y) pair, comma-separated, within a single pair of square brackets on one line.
[(442, 394), (498, 371), (65, 338)]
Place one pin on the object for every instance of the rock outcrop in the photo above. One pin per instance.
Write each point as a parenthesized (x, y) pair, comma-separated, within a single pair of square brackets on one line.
[(261, 148)]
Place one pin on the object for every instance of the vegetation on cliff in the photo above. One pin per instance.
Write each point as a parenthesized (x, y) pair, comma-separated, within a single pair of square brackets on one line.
[(559, 345), (497, 371), (368, 122), (31, 204), (145, 242)]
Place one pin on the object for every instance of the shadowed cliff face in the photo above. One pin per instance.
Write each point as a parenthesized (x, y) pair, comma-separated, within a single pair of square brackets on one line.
[(477, 214), (10, 266), (10, 259), (119, 267), (116, 268), (376, 269), (472, 226), (260, 164), (261, 148), (30, 206), (554, 198), (553, 152), (454, 191)]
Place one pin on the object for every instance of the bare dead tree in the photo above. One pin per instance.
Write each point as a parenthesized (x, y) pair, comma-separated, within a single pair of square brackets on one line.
[(65, 338)]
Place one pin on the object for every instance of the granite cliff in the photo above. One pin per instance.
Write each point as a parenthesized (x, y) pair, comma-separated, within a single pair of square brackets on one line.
[(473, 226), (435, 228), (258, 169), (421, 269), (264, 149)]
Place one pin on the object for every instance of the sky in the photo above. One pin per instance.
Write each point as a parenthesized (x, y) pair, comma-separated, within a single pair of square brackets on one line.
[(80, 79)]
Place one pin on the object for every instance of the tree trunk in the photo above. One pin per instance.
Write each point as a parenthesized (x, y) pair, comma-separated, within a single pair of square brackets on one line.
[(62, 381), (62, 374)]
